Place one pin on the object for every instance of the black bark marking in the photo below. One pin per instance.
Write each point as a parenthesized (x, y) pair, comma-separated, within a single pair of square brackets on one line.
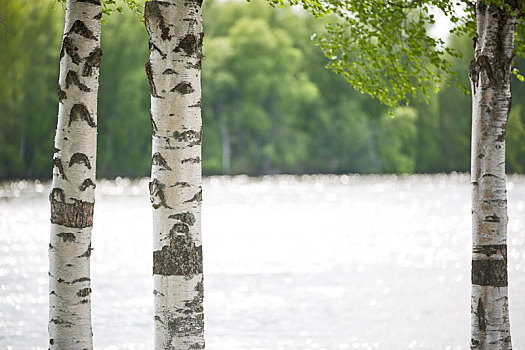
[(68, 47), (179, 228), (92, 61), (80, 112), (185, 326), (57, 194), (188, 44), (78, 214), (191, 323), (80, 28), (72, 79), (196, 198), (187, 218), (493, 270), (67, 236), (482, 322), (197, 105), (191, 160), (86, 184), (51, 341), (181, 184), (156, 194), (492, 175), (492, 218), (165, 32), (183, 88), (195, 137), (169, 71), (61, 322), (152, 10), (197, 65), (82, 279), (152, 47), (154, 128), (159, 160), (197, 141), (195, 306), (501, 136), (78, 280), (98, 16), (57, 162), (87, 253), (79, 158), (180, 258), (149, 73), (84, 292), (61, 94), (491, 249)]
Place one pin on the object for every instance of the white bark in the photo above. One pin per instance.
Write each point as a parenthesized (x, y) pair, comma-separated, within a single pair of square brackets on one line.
[(491, 102), (72, 195), (174, 70)]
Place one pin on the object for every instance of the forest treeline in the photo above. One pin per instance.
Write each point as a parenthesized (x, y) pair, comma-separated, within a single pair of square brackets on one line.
[(269, 105)]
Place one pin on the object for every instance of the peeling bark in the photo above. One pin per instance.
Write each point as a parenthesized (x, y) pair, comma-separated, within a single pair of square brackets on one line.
[(173, 70), (72, 197), (489, 75)]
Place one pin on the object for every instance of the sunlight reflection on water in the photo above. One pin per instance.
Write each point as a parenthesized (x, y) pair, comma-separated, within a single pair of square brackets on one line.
[(291, 262)]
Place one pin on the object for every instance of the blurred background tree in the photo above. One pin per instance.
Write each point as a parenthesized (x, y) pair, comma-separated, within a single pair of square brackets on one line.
[(269, 103)]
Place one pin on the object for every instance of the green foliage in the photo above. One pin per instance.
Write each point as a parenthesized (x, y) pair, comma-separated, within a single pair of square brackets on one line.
[(383, 48), (30, 42), (515, 146), (268, 101), (109, 6), (398, 145), (124, 133)]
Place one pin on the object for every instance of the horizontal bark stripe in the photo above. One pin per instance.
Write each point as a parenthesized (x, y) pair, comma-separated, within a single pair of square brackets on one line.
[(180, 258), (489, 273), (491, 249), (78, 214)]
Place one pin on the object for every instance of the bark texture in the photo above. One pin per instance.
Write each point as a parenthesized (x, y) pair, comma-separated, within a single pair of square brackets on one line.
[(174, 69), (489, 74), (73, 191)]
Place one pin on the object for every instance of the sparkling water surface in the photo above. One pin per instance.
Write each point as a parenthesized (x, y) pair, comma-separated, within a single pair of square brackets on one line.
[(308, 262)]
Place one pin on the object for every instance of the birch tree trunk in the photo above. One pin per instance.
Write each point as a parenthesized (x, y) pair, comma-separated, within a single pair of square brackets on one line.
[(491, 102), (174, 69), (72, 195)]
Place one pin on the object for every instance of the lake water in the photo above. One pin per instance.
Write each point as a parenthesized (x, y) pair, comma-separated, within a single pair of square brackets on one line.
[(311, 262)]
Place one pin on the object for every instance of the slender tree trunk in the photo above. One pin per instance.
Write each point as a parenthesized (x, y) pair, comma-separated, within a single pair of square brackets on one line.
[(491, 102), (72, 195), (225, 137), (174, 69)]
